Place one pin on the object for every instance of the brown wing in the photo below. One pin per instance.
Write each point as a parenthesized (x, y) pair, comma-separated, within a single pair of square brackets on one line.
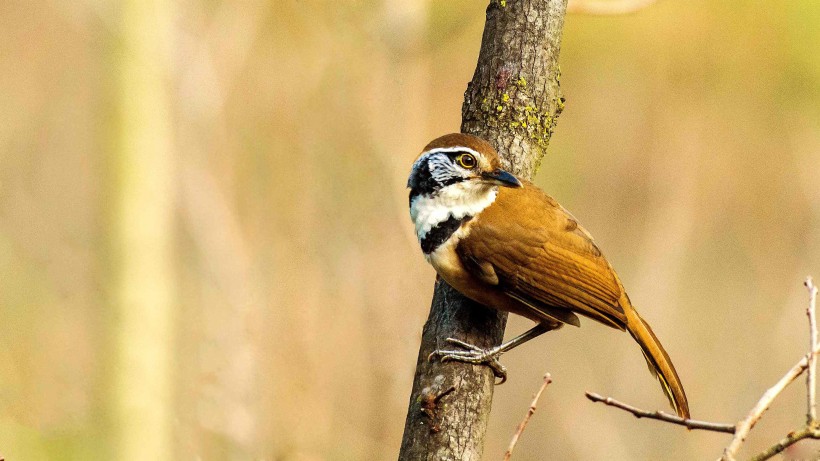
[(542, 257)]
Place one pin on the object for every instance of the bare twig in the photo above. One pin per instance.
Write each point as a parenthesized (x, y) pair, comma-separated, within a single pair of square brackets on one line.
[(811, 413), (607, 8), (744, 426), (741, 430), (808, 432), (530, 411), (661, 416), (812, 429)]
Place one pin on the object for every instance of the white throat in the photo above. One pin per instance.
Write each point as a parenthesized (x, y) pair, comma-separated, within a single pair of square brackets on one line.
[(458, 200)]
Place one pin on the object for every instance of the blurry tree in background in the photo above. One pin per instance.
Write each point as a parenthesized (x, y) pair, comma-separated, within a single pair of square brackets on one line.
[(204, 241), (140, 234)]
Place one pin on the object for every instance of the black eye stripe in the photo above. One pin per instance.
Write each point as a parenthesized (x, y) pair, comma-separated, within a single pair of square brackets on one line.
[(423, 181)]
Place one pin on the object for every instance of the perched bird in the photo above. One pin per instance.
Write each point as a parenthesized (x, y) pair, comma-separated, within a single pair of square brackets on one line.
[(504, 243)]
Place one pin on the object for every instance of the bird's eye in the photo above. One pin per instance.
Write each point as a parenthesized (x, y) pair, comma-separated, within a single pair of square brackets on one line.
[(467, 161)]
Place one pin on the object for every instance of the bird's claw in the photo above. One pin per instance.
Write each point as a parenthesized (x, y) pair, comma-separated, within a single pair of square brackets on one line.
[(473, 354)]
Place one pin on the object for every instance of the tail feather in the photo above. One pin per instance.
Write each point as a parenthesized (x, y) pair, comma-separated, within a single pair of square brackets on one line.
[(658, 361)]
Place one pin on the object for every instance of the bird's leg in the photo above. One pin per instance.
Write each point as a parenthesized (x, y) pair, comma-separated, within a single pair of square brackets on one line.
[(476, 355)]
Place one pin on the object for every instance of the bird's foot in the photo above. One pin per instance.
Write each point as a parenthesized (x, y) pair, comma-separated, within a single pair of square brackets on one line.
[(473, 354)]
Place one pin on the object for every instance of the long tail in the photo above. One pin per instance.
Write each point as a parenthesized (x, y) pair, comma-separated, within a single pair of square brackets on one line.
[(658, 361)]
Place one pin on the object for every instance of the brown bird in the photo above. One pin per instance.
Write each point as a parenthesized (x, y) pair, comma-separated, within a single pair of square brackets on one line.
[(506, 244)]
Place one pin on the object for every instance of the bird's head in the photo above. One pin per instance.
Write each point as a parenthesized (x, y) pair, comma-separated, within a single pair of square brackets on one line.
[(454, 178), (458, 159)]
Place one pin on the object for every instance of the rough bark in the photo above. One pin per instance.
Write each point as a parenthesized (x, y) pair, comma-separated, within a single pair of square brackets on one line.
[(513, 101)]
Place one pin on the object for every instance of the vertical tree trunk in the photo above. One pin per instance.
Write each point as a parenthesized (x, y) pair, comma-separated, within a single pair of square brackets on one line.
[(513, 101)]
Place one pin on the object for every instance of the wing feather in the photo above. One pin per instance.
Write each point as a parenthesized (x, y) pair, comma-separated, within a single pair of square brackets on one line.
[(542, 258)]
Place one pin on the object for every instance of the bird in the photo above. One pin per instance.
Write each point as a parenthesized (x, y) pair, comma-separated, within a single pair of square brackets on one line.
[(504, 243)]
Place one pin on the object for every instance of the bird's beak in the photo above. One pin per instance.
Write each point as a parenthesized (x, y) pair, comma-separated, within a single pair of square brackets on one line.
[(502, 178)]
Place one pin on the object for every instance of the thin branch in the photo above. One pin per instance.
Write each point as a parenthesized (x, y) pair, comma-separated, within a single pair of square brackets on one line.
[(741, 431), (530, 411), (811, 413), (607, 8), (811, 429), (744, 426), (661, 416), (807, 432)]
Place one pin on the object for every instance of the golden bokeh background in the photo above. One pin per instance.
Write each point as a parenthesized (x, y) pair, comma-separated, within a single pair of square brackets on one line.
[(205, 250)]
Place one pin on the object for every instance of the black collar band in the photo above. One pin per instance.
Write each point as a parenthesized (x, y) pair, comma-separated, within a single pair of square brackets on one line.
[(441, 233)]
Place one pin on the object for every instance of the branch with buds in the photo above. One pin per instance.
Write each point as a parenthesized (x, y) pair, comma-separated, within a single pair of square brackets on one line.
[(662, 416), (741, 430), (530, 412)]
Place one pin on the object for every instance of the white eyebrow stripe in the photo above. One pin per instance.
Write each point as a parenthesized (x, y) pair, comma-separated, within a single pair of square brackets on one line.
[(444, 150), (450, 149)]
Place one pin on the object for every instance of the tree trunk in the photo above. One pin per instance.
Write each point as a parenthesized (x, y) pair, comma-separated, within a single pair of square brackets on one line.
[(513, 101)]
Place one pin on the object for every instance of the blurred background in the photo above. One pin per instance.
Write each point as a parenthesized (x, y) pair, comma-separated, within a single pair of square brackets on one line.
[(206, 254)]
